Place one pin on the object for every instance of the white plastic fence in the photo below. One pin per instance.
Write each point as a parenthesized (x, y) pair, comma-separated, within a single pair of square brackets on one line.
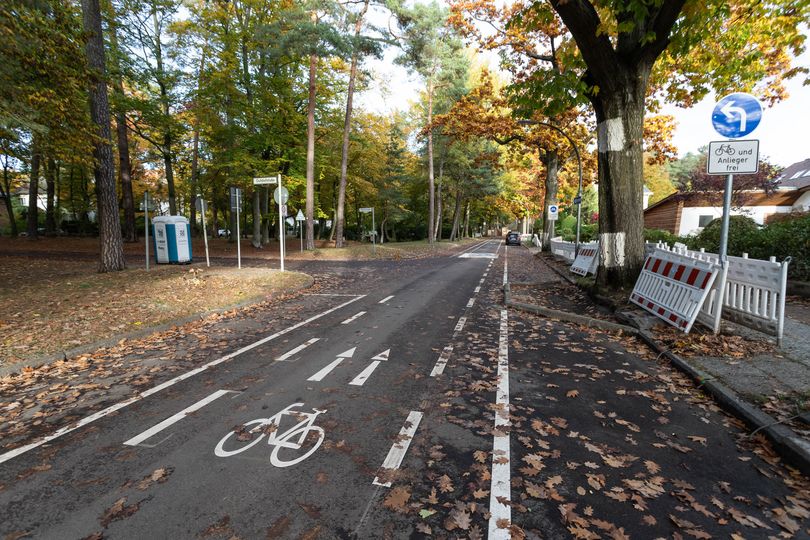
[(754, 292), (563, 249)]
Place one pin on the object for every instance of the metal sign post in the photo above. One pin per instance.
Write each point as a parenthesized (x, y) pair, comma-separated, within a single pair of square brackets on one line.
[(734, 116), (553, 212), (146, 225), (236, 203), (373, 228), (202, 207), (281, 195)]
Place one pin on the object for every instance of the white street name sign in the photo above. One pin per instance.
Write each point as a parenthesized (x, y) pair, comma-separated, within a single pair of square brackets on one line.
[(733, 157), (265, 180)]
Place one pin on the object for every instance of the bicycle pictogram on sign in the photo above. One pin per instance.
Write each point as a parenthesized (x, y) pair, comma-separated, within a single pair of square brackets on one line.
[(726, 149), (300, 441)]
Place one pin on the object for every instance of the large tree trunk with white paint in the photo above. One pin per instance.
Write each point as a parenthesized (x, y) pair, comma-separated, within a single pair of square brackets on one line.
[(551, 160), (620, 119)]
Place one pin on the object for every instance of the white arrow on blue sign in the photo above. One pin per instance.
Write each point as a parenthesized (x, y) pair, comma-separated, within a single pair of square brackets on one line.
[(736, 115)]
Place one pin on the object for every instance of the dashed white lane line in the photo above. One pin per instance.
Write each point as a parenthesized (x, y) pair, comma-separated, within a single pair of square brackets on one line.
[(470, 302), (138, 439), (365, 374), (477, 289), (296, 350), (438, 369), (386, 299), (398, 450), (11, 454), (326, 371), (501, 471), (459, 325), (354, 317)]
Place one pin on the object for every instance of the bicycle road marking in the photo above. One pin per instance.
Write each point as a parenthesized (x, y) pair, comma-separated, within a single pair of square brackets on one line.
[(11, 454), (438, 369), (354, 317), (501, 482), (386, 299), (365, 374), (296, 350), (138, 439), (403, 441)]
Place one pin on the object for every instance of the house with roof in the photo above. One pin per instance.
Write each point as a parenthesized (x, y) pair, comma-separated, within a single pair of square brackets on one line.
[(688, 213)]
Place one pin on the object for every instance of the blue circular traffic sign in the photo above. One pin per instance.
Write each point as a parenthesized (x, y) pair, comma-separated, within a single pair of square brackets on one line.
[(736, 115)]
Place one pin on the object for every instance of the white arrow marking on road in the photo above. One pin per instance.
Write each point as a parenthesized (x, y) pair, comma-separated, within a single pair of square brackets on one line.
[(296, 350), (354, 317), (394, 458), (138, 439), (335, 363), (365, 374), (386, 299), (383, 355), (730, 110), (438, 369)]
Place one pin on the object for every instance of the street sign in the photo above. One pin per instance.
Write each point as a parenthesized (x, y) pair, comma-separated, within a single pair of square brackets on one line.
[(281, 195), (736, 115), (200, 204), (300, 216), (284, 210), (265, 180), (236, 198), (553, 211), (577, 200), (366, 210), (733, 157)]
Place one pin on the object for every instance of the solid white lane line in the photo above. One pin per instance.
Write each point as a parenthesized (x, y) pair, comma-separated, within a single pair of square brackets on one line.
[(11, 454), (470, 302), (394, 458), (386, 299), (501, 472), (438, 369), (138, 439), (326, 371), (296, 350), (459, 325), (365, 374), (354, 317)]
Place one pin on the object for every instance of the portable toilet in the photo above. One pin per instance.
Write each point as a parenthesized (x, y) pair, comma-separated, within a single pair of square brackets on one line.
[(172, 239)]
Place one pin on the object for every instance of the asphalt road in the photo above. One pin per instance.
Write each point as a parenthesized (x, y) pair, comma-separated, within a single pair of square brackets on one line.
[(405, 401)]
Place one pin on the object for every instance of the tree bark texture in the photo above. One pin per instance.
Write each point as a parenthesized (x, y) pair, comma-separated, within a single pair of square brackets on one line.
[(50, 212), (310, 202), (109, 225), (456, 217), (437, 233), (6, 193), (32, 219), (166, 148), (257, 218), (347, 124)]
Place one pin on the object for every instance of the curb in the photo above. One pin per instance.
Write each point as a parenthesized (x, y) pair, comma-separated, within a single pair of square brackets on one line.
[(794, 449), (137, 334)]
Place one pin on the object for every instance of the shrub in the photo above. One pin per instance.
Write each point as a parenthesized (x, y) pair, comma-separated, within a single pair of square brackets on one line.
[(788, 236), (744, 235), (658, 235)]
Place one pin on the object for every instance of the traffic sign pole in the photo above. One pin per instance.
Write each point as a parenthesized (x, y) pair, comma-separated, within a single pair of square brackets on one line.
[(281, 223)]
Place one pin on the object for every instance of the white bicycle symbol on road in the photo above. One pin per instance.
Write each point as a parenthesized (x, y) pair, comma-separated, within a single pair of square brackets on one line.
[(309, 436)]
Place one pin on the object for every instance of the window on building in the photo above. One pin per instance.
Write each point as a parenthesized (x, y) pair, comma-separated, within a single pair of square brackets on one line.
[(798, 174), (705, 220)]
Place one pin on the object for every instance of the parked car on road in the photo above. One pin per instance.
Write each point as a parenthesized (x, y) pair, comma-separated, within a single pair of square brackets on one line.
[(513, 239)]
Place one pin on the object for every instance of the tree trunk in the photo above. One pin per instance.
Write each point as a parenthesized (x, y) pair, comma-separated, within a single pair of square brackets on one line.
[(6, 193), (551, 160), (620, 119), (32, 220), (466, 233), (50, 183), (257, 218), (166, 148), (431, 209), (310, 202), (344, 159), (265, 215), (124, 166), (109, 225), (456, 217), (437, 233)]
